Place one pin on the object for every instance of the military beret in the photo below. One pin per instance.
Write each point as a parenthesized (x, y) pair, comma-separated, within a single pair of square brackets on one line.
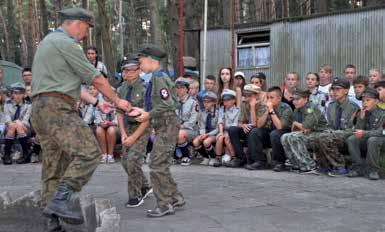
[(76, 13), (228, 94), (339, 82), (182, 81), (191, 74), (251, 88), (370, 92), (239, 73), (129, 61), (17, 87), (379, 84), (152, 51), (298, 93), (209, 95)]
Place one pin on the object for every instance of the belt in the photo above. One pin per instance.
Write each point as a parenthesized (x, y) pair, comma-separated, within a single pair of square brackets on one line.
[(66, 98)]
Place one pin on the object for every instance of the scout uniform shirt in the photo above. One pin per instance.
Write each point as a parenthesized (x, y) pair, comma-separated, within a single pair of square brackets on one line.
[(372, 123), (188, 112), (284, 113), (13, 112), (136, 95), (60, 65), (163, 97), (318, 99), (110, 117), (341, 116), (208, 121), (229, 117), (310, 117), (244, 115)]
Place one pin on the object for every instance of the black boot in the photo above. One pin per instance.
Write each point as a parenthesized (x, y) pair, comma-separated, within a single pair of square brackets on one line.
[(25, 146), (7, 160), (65, 206), (53, 225)]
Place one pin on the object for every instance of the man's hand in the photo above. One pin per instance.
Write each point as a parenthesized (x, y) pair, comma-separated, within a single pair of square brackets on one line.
[(144, 116), (269, 106), (128, 141), (103, 124), (359, 133), (123, 105), (246, 127)]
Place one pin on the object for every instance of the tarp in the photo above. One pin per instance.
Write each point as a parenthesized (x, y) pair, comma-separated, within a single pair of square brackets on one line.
[(11, 73)]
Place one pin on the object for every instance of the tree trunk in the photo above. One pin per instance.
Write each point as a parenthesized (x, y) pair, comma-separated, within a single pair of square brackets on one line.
[(43, 18), (322, 6), (58, 6), (155, 26), (33, 36), (173, 49), (20, 20), (106, 41), (85, 42), (5, 53), (131, 25), (11, 31)]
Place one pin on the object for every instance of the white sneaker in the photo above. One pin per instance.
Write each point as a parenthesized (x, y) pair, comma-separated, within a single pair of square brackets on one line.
[(148, 158), (226, 158), (212, 161), (103, 159), (110, 159), (205, 161), (185, 161)]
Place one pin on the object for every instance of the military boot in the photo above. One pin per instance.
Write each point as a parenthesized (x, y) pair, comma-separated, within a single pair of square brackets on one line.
[(65, 206)]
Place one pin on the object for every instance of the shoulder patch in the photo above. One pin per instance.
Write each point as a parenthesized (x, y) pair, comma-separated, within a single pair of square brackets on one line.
[(196, 107), (309, 110), (164, 93), (9, 101)]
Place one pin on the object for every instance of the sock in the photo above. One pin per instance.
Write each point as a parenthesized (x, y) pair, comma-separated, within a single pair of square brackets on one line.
[(210, 151), (202, 151), (25, 146), (8, 147)]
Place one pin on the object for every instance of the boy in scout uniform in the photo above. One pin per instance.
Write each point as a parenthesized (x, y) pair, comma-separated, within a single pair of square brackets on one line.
[(228, 117), (17, 114), (246, 122), (368, 136), (308, 121), (207, 125), (164, 120), (134, 134), (70, 153), (274, 119), (187, 112), (380, 87), (341, 115)]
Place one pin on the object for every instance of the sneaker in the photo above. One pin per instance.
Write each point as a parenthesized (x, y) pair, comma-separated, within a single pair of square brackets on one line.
[(217, 162), (148, 158), (205, 161), (373, 176), (134, 202), (146, 192), (353, 173), (186, 161), (310, 171), (103, 159), (279, 168), (234, 162), (35, 158), (110, 159), (255, 166), (226, 158), (178, 202), (160, 211), (212, 161), (341, 171)]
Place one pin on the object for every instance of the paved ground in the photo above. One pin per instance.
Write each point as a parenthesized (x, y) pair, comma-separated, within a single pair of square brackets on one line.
[(222, 199)]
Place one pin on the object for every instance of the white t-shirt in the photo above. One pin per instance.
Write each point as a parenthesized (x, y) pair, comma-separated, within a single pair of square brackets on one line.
[(324, 89), (352, 97)]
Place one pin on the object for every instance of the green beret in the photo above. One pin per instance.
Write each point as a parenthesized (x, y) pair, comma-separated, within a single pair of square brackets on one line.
[(379, 84), (340, 82), (152, 51), (298, 93), (370, 92), (76, 13)]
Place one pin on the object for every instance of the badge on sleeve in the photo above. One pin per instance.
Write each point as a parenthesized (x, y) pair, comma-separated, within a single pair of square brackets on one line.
[(164, 94)]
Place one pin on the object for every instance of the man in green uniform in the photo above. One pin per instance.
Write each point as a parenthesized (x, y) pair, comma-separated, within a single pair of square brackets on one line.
[(166, 124), (70, 150), (369, 136), (134, 134)]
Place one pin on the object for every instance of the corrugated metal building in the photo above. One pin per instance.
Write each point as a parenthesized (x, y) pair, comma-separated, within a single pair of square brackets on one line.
[(302, 45)]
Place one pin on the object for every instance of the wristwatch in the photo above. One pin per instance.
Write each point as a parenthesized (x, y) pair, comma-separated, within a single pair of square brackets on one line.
[(272, 112)]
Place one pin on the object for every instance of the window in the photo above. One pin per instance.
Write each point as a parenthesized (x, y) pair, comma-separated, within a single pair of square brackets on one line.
[(253, 49)]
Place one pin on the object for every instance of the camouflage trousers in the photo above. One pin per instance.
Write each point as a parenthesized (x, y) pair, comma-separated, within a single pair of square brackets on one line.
[(327, 148), (163, 184), (70, 149), (296, 146), (132, 163)]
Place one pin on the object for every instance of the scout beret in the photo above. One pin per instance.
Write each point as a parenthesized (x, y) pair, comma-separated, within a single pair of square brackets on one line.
[(76, 13), (129, 61), (210, 95), (152, 51), (251, 88), (260, 75), (370, 92), (191, 74), (17, 87), (228, 94), (379, 84), (339, 82), (298, 93), (182, 81), (239, 73)]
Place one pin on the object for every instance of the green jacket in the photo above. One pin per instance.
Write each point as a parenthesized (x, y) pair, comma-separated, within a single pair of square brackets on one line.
[(284, 113), (137, 95), (313, 118), (349, 110), (373, 123), (60, 65)]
